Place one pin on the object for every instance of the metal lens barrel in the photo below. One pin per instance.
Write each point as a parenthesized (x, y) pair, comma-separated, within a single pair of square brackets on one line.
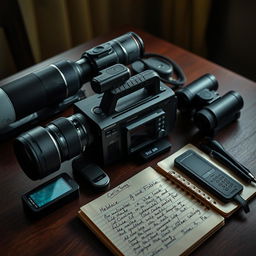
[(39, 89), (124, 49), (129, 47), (40, 151)]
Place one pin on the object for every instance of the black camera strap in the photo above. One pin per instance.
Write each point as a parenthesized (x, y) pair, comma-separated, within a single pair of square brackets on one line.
[(168, 70)]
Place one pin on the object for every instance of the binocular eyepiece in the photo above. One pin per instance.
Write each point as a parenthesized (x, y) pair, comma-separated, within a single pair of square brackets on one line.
[(210, 111), (63, 79)]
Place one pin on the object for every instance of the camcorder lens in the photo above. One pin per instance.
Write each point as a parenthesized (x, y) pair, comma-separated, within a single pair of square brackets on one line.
[(37, 153), (40, 151)]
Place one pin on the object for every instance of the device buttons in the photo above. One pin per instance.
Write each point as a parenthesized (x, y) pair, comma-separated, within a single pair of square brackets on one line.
[(108, 133), (161, 126), (98, 49), (97, 110), (161, 133), (111, 132)]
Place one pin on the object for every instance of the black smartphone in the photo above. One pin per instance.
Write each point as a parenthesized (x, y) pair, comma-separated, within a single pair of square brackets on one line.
[(208, 175), (50, 195)]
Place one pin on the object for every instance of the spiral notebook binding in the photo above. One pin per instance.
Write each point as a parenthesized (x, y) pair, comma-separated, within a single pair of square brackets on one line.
[(189, 187)]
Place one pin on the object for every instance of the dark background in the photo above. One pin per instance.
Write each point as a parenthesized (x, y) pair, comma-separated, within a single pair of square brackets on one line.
[(222, 31)]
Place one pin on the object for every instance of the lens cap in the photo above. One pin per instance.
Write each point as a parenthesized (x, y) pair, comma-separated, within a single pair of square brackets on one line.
[(90, 173)]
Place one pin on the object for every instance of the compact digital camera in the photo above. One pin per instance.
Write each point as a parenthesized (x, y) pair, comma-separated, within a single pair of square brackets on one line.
[(108, 126)]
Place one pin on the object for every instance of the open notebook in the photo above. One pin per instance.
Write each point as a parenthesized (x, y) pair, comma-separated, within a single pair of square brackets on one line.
[(155, 213)]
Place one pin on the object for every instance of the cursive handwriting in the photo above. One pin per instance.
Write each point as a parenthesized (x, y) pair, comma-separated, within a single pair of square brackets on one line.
[(151, 219), (118, 190)]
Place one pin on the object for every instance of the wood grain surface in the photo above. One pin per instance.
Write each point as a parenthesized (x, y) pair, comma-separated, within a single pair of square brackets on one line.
[(62, 233)]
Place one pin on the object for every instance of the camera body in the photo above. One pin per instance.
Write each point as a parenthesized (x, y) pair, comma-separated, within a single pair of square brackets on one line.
[(126, 119)]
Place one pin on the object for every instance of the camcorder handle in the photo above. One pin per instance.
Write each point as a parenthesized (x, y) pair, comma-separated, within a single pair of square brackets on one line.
[(148, 79)]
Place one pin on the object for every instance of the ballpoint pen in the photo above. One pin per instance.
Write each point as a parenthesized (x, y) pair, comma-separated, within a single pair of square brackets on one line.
[(226, 162), (215, 145), (217, 151)]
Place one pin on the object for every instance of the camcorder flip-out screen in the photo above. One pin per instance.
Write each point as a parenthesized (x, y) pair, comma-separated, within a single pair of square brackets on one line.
[(142, 134), (51, 195), (146, 130)]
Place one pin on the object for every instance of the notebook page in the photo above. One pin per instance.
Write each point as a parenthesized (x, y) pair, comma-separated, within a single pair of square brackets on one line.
[(149, 215)]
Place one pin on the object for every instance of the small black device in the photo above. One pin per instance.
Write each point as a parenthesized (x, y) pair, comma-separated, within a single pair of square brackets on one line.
[(155, 149), (50, 195), (90, 173), (167, 69), (210, 177), (106, 128), (210, 111), (50, 85)]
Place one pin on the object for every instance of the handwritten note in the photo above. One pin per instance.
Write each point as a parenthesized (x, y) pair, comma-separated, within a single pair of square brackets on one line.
[(147, 215)]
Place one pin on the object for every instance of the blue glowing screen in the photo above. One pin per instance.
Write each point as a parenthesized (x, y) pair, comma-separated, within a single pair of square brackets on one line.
[(50, 192)]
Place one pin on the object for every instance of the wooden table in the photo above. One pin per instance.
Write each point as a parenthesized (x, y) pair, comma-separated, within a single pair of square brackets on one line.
[(62, 233)]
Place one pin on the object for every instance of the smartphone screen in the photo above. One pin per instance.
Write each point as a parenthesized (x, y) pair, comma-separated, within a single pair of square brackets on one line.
[(50, 192)]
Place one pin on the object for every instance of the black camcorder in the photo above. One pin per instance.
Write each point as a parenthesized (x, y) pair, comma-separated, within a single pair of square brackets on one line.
[(129, 115)]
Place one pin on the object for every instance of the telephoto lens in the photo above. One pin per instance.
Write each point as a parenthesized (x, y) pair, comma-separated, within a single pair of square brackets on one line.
[(38, 90), (220, 113), (60, 80), (198, 90), (40, 151)]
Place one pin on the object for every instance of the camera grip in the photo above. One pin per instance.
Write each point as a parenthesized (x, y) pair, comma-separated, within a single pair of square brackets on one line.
[(148, 79)]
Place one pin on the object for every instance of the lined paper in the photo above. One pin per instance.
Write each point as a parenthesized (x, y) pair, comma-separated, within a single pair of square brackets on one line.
[(149, 215)]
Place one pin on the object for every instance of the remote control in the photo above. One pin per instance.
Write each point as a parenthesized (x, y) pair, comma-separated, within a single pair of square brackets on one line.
[(210, 177)]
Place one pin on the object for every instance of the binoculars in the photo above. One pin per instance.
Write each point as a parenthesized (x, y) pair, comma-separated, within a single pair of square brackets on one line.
[(210, 111)]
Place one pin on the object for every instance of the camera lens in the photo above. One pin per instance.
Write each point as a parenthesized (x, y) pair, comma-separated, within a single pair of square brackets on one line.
[(40, 151), (220, 113), (129, 47), (60, 80), (124, 49), (43, 88)]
